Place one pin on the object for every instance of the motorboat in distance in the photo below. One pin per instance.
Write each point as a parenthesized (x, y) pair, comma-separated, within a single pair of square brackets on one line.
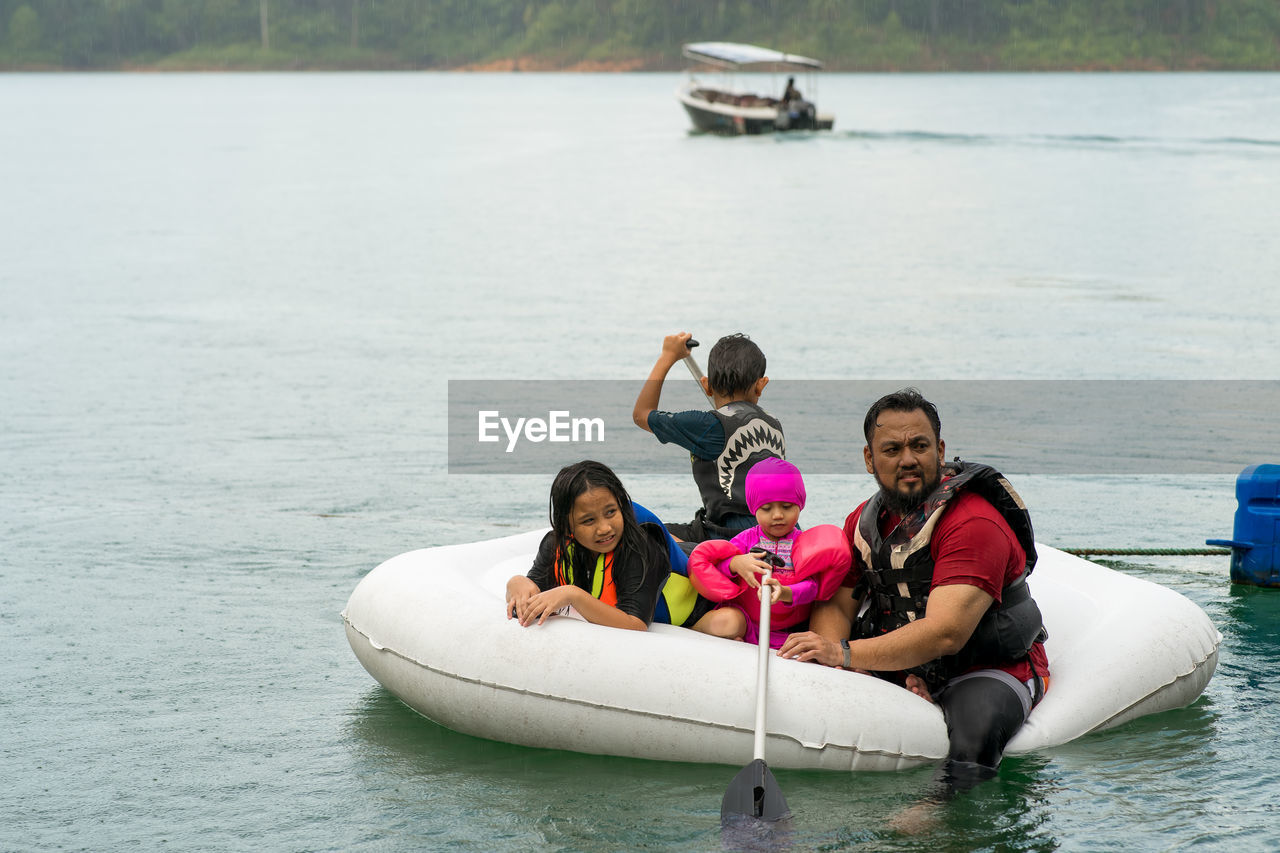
[(722, 108)]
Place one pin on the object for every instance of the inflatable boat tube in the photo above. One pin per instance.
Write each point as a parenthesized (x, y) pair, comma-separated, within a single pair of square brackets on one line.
[(429, 625)]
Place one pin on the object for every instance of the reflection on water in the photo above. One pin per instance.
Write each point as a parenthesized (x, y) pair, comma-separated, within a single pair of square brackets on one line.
[(743, 832), (1176, 770), (1255, 619), (1009, 812), (538, 797), (531, 797), (1190, 146)]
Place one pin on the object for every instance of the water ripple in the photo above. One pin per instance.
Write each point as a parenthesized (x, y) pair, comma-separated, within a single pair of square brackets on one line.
[(1173, 145)]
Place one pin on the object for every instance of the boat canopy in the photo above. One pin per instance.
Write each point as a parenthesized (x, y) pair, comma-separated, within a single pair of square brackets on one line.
[(731, 55)]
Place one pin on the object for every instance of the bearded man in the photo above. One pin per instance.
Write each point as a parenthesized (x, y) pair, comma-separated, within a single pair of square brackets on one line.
[(941, 555)]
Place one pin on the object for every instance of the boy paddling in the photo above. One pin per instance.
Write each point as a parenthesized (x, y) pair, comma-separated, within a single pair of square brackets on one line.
[(723, 443)]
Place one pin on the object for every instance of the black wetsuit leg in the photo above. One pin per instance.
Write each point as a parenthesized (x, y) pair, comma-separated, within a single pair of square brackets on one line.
[(983, 713)]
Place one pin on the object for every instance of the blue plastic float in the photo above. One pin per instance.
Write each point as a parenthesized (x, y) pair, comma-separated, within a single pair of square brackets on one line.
[(1255, 550)]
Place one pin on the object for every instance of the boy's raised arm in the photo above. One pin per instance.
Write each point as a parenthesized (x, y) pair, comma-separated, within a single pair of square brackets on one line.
[(674, 348)]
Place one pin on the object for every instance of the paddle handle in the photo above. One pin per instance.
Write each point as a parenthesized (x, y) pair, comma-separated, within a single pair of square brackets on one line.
[(696, 371), (762, 668)]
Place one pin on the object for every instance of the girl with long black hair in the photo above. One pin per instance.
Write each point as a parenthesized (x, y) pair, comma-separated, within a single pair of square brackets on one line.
[(596, 559)]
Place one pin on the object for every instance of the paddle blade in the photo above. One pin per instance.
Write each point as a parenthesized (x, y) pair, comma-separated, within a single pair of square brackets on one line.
[(754, 793)]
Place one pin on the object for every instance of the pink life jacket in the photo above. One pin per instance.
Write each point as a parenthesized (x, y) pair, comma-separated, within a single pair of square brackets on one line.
[(822, 552)]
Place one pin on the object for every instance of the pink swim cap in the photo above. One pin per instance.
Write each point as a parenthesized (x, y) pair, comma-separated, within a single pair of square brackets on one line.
[(771, 480)]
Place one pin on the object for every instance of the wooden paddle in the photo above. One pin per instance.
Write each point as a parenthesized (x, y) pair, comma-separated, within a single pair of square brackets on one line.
[(697, 371), (754, 792)]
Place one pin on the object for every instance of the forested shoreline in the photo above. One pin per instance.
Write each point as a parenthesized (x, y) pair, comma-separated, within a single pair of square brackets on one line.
[(635, 35)]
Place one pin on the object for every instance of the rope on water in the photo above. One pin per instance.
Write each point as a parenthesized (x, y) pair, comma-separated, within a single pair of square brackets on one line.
[(1148, 552)]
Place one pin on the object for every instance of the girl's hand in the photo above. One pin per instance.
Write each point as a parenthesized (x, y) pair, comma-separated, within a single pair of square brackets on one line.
[(520, 591), (778, 592), (545, 604), (749, 568)]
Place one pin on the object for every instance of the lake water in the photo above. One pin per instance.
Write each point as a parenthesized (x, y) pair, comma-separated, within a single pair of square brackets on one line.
[(232, 305)]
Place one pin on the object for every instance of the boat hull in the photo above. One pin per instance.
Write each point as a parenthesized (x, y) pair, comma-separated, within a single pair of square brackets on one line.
[(731, 119), (429, 626)]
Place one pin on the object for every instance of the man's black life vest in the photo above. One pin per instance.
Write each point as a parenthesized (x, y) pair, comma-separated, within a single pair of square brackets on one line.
[(750, 434), (898, 572)]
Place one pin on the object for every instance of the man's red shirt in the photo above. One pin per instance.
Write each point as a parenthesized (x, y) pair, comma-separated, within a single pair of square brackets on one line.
[(971, 544)]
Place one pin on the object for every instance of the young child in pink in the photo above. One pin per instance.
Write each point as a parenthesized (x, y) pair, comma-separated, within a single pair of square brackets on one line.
[(729, 572)]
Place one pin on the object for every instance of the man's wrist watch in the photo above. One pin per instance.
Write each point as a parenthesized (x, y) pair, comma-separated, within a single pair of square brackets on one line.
[(848, 657)]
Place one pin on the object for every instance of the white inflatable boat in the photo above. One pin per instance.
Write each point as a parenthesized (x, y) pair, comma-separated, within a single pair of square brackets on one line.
[(429, 626)]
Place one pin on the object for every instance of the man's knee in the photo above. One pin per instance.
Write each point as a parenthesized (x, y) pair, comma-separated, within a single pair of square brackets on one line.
[(983, 714)]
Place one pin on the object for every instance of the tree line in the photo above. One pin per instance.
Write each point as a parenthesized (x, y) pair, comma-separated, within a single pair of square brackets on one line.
[(853, 35)]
